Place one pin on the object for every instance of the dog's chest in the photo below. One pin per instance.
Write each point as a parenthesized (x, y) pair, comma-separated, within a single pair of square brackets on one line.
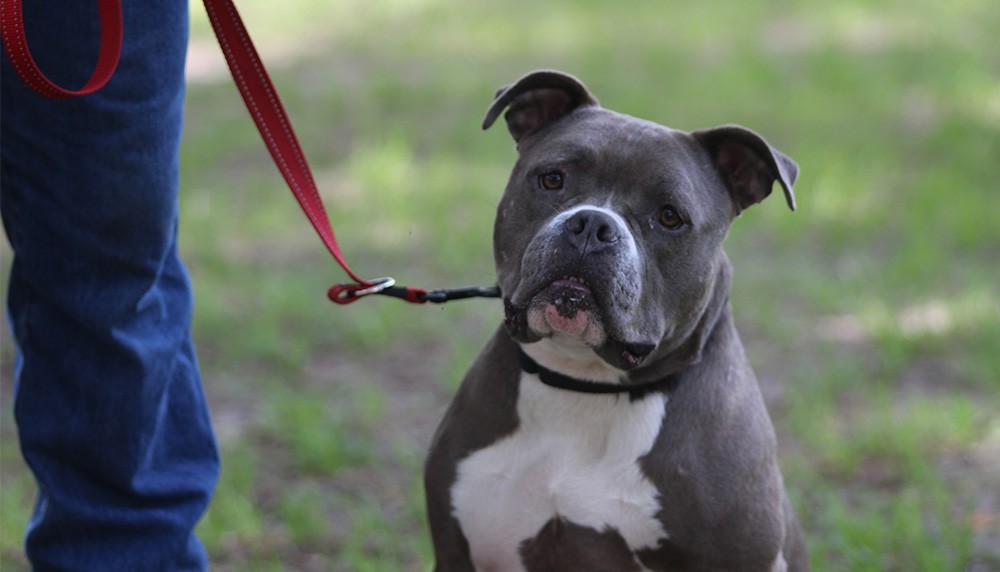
[(573, 457)]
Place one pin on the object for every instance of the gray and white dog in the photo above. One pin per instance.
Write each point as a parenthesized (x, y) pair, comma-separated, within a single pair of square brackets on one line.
[(614, 422)]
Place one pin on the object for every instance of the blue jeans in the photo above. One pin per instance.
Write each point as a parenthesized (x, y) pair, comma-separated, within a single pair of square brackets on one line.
[(111, 414)]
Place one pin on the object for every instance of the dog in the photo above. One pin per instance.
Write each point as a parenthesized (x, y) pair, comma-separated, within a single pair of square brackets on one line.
[(613, 421)]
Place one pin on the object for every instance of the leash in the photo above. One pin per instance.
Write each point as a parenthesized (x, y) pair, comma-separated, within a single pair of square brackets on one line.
[(12, 29), (268, 113)]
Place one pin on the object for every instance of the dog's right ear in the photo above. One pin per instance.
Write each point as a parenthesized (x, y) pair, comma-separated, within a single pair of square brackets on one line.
[(537, 99)]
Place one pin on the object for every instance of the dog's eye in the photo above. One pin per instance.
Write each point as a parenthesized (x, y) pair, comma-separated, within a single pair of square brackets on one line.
[(670, 218), (551, 181)]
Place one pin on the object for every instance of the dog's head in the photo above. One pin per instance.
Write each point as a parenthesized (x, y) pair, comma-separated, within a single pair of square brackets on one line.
[(608, 238)]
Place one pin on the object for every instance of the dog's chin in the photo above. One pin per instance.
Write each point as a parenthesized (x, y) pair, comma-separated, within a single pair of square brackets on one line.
[(567, 312), (566, 308)]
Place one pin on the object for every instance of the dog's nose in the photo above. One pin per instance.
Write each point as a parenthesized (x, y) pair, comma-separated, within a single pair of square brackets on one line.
[(591, 230)]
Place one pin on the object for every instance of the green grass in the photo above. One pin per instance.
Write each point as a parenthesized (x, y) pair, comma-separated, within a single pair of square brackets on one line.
[(871, 315)]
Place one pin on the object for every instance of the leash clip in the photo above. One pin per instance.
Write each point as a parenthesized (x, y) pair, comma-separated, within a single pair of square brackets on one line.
[(347, 292)]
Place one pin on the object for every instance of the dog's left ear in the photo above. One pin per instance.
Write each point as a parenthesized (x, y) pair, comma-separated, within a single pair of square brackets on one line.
[(536, 100), (748, 164)]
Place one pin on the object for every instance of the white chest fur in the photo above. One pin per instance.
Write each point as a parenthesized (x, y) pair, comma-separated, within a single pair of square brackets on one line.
[(573, 456)]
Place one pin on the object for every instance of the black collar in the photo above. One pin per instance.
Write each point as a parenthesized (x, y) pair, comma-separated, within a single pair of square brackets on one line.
[(560, 381)]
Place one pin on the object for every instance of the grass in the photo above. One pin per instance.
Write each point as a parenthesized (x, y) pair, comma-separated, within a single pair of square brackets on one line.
[(871, 315)]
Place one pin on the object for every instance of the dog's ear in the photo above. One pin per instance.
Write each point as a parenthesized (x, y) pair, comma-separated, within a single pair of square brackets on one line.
[(748, 164), (536, 100)]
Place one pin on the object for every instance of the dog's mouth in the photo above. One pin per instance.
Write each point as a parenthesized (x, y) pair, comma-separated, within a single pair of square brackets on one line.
[(567, 305), (568, 309)]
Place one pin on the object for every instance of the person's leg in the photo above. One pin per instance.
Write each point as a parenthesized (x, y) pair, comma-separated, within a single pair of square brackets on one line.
[(110, 410)]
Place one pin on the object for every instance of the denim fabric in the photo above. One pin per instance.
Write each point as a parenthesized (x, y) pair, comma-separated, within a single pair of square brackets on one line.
[(111, 414)]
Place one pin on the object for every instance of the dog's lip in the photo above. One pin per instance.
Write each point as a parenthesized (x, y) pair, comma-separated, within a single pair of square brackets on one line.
[(562, 296), (568, 294), (634, 354), (569, 283)]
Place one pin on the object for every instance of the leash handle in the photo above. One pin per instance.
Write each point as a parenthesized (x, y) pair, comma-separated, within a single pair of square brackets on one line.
[(16, 45)]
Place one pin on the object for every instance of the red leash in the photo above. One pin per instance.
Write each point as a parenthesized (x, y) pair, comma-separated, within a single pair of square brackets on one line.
[(275, 128), (12, 27), (265, 108)]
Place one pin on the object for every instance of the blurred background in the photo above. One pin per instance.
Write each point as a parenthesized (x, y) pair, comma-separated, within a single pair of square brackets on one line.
[(871, 315)]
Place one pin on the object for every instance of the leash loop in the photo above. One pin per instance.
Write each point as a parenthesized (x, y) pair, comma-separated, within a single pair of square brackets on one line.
[(379, 285), (16, 44), (347, 292)]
